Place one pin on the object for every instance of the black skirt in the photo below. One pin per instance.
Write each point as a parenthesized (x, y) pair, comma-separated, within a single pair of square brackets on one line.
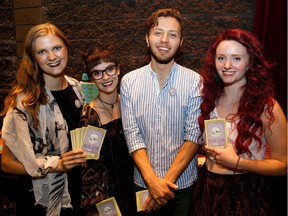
[(230, 195)]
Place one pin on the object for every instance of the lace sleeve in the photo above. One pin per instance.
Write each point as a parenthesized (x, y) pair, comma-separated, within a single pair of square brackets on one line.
[(89, 117)]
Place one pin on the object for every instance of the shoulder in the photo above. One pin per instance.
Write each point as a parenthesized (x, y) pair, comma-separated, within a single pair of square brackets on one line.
[(71, 80), (74, 83), (87, 109), (134, 74), (76, 87), (89, 117), (279, 116), (278, 112), (188, 72), (187, 78), (19, 98)]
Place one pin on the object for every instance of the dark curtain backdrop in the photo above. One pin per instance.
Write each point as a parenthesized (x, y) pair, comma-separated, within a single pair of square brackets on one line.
[(270, 26)]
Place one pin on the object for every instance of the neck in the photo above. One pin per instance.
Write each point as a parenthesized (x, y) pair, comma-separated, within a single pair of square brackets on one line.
[(55, 84), (162, 70), (232, 94), (108, 101)]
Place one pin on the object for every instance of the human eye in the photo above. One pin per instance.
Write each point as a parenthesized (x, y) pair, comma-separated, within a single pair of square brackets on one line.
[(110, 68), (173, 35), (220, 58), (157, 33), (97, 73), (57, 48), (237, 59), (41, 52)]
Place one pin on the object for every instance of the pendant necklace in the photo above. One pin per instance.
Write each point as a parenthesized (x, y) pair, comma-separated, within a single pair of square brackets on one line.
[(110, 104)]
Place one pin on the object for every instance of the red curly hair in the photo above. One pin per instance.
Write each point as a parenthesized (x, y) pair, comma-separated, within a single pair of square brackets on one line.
[(258, 92)]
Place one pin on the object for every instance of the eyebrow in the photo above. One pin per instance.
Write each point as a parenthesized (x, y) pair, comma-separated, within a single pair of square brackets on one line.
[(232, 54), (104, 68)]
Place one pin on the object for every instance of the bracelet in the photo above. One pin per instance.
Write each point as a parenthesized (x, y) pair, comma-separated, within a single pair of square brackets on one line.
[(237, 164)]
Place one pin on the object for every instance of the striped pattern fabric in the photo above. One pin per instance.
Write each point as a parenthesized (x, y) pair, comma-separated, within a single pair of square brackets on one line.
[(160, 119)]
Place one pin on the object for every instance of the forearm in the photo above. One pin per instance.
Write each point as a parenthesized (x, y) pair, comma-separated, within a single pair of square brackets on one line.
[(159, 189), (142, 162), (269, 167), (183, 158), (10, 164)]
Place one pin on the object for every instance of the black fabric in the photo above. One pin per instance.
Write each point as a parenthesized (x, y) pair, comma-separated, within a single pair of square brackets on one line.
[(112, 174), (177, 206), (66, 101), (231, 195), (40, 210)]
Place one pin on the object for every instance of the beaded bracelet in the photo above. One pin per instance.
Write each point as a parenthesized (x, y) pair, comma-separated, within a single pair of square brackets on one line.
[(237, 164)]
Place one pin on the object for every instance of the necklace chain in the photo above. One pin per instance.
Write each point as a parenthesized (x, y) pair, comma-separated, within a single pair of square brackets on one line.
[(102, 102), (110, 104)]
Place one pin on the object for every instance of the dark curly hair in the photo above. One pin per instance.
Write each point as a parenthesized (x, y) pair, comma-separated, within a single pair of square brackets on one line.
[(258, 91)]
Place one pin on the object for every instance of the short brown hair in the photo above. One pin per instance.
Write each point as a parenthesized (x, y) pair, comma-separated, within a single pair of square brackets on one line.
[(166, 12)]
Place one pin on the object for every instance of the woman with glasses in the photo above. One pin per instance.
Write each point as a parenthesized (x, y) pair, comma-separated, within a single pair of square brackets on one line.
[(112, 174)]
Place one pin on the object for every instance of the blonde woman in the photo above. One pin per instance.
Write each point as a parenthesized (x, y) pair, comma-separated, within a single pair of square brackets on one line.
[(36, 123)]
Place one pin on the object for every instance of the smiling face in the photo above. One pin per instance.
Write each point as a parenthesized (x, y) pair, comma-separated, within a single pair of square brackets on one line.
[(51, 55), (107, 84), (164, 39), (232, 62)]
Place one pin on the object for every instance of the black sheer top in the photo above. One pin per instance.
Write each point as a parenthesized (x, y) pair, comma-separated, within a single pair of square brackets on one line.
[(112, 174)]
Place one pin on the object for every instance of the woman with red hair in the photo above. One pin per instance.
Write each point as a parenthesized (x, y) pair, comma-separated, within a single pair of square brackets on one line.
[(237, 87)]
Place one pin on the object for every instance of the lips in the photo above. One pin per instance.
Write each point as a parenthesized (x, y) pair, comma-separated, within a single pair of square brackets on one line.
[(105, 84), (163, 49), (229, 72), (54, 64)]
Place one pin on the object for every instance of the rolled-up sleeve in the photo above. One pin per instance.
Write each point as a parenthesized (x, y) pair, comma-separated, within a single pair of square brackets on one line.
[(191, 127), (132, 132), (15, 133)]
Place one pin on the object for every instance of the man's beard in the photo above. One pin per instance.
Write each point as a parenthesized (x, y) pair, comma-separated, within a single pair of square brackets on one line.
[(163, 60)]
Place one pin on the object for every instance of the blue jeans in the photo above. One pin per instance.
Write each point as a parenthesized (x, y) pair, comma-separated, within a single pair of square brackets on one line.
[(177, 206)]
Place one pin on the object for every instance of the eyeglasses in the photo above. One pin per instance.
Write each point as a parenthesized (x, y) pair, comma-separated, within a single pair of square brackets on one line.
[(110, 71)]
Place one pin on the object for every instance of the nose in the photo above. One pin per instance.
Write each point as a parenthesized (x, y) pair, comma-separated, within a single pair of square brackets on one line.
[(51, 56), (105, 75), (164, 37), (227, 64)]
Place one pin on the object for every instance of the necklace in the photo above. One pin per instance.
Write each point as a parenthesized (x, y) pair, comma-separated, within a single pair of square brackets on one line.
[(102, 102), (110, 104)]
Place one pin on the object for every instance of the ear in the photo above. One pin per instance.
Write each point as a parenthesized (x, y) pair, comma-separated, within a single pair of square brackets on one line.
[(147, 42), (248, 66), (181, 42), (118, 69)]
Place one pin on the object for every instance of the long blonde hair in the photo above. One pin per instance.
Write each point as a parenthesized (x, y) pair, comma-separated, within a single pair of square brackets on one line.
[(29, 78)]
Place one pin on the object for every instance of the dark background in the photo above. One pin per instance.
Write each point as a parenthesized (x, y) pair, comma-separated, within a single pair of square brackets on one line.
[(91, 24)]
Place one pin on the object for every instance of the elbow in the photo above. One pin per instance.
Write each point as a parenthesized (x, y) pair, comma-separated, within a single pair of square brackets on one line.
[(5, 167), (284, 171)]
